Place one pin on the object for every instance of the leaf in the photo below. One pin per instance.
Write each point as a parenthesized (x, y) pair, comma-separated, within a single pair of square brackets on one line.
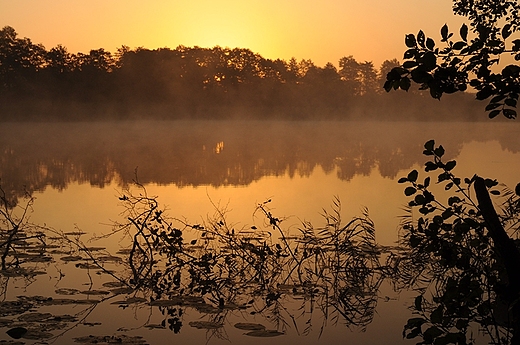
[(427, 182), (459, 45), (429, 145), (436, 315), (439, 151), (405, 83), (421, 38), (444, 32), (509, 113), (409, 40), (464, 32), (494, 113), (492, 106), (490, 183), (450, 165), (432, 333), (430, 166), (430, 61), (412, 175), (418, 304), (484, 93), (409, 64), (430, 44), (410, 53), (506, 31), (410, 191), (402, 180)]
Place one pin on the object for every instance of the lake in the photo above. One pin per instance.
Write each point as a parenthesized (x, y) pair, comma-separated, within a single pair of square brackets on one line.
[(201, 171)]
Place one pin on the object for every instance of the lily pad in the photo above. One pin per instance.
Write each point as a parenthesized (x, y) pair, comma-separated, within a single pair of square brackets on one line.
[(71, 258), (75, 233), (205, 324), (132, 300), (92, 249), (87, 266), (37, 335), (95, 292), (17, 332), (66, 291), (120, 339), (266, 333), (122, 291), (32, 317), (115, 284), (109, 258), (250, 326)]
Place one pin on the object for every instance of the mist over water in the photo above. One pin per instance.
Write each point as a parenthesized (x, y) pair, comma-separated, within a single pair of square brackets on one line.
[(218, 153)]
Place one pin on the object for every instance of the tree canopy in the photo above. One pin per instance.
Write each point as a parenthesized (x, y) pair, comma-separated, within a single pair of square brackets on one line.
[(475, 60)]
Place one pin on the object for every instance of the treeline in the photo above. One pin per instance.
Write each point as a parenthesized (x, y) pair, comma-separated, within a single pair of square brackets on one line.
[(185, 82)]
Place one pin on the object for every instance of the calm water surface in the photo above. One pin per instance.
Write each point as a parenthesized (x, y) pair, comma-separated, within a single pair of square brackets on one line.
[(76, 172)]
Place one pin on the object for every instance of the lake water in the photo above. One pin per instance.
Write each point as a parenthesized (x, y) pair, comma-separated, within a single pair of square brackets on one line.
[(78, 171)]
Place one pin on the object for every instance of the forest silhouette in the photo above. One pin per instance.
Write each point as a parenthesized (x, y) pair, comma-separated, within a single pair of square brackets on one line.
[(194, 82)]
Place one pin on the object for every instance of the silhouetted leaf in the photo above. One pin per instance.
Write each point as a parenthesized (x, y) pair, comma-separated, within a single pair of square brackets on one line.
[(421, 38), (494, 113), (439, 151), (450, 165), (430, 166), (430, 61), (459, 45), (405, 83), (430, 43), (492, 106), (509, 113), (429, 145), (409, 191), (409, 40), (444, 32), (412, 175), (506, 31), (464, 32), (418, 303)]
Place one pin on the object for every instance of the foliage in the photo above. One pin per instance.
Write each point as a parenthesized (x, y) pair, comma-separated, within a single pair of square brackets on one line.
[(453, 260), (468, 61), (335, 268), (177, 83)]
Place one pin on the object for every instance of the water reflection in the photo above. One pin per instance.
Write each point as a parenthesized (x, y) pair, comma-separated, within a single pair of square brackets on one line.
[(221, 153), (334, 271), (184, 276)]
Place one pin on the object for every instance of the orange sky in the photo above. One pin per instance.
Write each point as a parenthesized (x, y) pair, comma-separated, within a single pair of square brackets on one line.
[(323, 31)]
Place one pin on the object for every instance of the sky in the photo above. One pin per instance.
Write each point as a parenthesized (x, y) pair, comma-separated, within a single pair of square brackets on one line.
[(320, 30)]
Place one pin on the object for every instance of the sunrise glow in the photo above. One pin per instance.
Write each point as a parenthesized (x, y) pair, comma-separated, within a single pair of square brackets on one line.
[(321, 31)]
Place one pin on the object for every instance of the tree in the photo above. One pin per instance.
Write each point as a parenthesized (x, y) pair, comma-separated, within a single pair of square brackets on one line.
[(464, 245), (471, 61)]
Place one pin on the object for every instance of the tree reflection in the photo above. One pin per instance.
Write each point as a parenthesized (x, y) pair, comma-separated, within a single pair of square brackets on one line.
[(460, 259)]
